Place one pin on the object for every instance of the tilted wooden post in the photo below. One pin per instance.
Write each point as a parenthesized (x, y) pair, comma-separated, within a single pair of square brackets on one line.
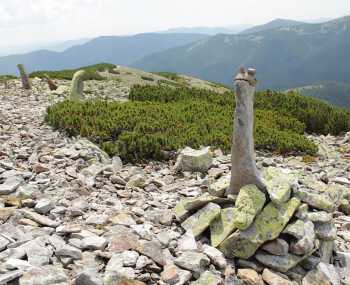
[(24, 77), (244, 170), (77, 87), (52, 85)]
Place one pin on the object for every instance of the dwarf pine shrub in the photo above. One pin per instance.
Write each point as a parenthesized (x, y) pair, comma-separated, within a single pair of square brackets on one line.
[(67, 74)]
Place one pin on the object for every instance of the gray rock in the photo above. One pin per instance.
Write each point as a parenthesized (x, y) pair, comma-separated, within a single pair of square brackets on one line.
[(94, 243), (322, 217), (208, 278), (193, 261), (194, 160), (187, 242), (45, 275), (153, 250), (306, 243), (69, 251), (277, 247), (280, 263), (3, 243), (37, 252), (10, 185), (326, 250), (324, 274), (215, 255), (130, 258), (96, 220), (42, 220), (326, 231), (202, 219), (88, 278), (43, 206), (9, 276), (296, 229), (115, 270), (14, 263)]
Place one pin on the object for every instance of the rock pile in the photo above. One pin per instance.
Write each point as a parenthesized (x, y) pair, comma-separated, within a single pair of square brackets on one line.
[(289, 229)]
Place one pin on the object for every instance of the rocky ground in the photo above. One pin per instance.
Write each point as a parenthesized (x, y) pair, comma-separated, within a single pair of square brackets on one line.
[(69, 214)]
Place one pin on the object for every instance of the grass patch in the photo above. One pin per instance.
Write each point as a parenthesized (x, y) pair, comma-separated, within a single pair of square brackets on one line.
[(67, 74)]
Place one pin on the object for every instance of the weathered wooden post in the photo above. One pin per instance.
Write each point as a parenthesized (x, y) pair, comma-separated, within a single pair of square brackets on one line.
[(52, 85), (24, 77), (77, 87), (244, 170)]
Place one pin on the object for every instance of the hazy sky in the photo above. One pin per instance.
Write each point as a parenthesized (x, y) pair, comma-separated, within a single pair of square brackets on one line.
[(25, 22)]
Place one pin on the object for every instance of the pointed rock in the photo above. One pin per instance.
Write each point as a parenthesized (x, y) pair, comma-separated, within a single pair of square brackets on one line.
[(249, 203), (201, 220), (222, 227)]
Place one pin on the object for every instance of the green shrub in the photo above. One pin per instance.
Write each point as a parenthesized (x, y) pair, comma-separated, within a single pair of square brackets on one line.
[(67, 74), (7, 77), (160, 118), (169, 75)]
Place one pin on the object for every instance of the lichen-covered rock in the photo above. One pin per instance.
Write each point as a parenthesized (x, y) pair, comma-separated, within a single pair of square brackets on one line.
[(316, 200), (249, 203), (183, 208), (278, 184), (267, 226), (208, 278), (219, 187), (222, 227), (296, 229), (280, 263), (194, 160), (201, 220)]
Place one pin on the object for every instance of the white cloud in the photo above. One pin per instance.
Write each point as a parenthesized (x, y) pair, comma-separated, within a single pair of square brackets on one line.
[(31, 21)]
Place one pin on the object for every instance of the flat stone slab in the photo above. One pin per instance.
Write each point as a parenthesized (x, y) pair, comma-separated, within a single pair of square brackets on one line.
[(267, 226), (249, 203), (40, 219), (219, 187), (317, 200), (185, 206), (222, 227), (201, 220), (278, 184), (280, 263), (207, 278)]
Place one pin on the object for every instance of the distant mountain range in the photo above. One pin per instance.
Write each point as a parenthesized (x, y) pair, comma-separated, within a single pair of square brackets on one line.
[(113, 49), (288, 56), (208, 30)]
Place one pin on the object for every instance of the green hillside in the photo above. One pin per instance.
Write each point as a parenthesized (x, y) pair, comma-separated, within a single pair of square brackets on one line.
[(337, 93)]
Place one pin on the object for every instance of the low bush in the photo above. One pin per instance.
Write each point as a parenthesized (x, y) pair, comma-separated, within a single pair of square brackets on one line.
[(160, 119), (147, 78), (67, 74)]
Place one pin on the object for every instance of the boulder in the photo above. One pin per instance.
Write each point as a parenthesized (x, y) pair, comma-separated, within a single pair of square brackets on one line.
[(219, 187), (250, 277), (194, 160), (201, 220), (273, 278), (222, 227), (267, 226), (278, 184), (249, 203), (277, 247)]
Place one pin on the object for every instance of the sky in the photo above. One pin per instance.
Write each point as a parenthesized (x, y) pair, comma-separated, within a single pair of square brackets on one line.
[(32, 22)]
